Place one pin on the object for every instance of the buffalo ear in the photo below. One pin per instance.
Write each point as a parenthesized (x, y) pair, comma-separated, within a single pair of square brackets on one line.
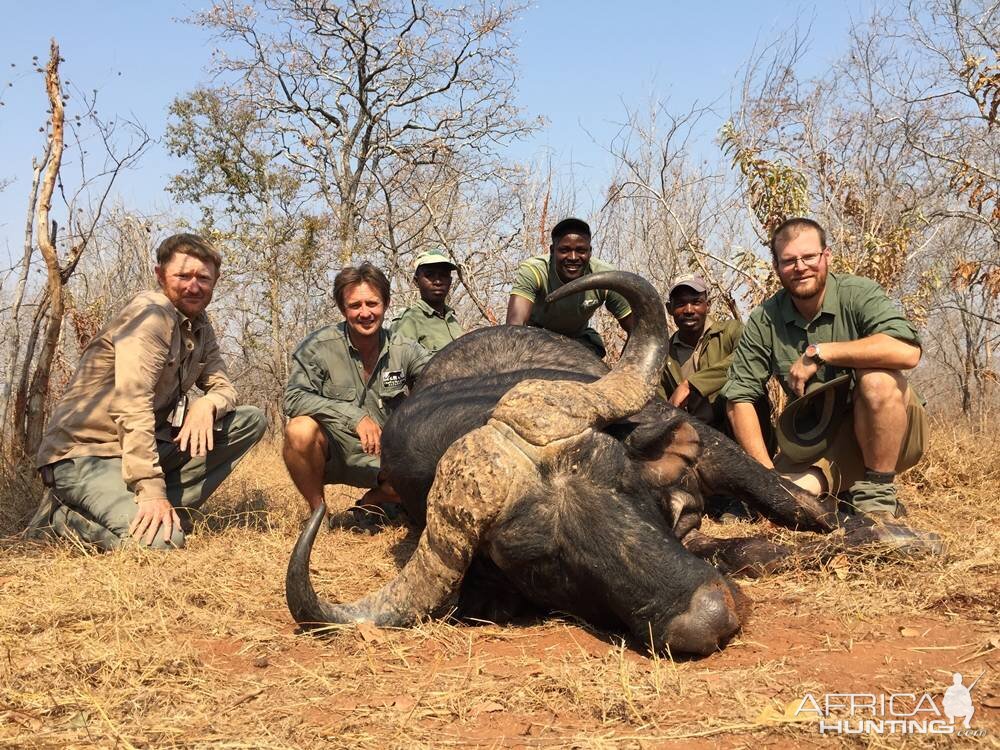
[(670, 455)]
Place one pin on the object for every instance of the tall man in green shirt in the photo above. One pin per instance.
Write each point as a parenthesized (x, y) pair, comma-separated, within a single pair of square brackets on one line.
[(569, 258), (429, 321), (345, 378), (819, 326)]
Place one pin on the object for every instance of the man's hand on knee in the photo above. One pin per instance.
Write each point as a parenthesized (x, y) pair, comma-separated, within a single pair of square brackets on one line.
[(152, 516), (196, 431), (370, 434)]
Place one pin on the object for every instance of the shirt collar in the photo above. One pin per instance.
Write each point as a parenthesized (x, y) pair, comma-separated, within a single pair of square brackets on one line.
[(430, 312), (191, 324), (830, 306), (712, 328), (383, 340)]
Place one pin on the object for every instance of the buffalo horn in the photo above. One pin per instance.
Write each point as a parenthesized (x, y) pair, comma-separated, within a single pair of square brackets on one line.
[(633, 380), (474, 479)]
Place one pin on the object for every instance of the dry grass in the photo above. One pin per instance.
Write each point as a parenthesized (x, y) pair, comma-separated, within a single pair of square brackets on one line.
[(196, 648), (20, 489)]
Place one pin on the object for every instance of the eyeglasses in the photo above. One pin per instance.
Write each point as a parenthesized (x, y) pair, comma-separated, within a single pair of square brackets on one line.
[(809, 261)]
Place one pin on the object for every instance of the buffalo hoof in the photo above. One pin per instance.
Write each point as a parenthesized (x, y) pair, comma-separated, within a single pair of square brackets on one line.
[(711, 619), (891, 538)]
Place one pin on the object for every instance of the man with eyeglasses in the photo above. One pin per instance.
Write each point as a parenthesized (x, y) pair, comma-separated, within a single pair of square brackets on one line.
[(822, 325)]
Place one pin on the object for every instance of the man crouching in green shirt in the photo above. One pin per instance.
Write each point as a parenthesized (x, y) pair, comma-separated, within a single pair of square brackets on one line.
[(345, 379), (430, 322), (699, 352), (569, 258), (820, 326)]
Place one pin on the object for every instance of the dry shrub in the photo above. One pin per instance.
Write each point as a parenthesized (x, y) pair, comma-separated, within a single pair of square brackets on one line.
[(20, 491), (960, 458), (196, 648)]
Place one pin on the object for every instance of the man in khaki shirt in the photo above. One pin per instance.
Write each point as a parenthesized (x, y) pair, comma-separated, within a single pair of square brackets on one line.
[(127, 445)]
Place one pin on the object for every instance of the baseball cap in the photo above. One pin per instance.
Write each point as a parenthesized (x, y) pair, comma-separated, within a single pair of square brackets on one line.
[(433, 257), (690, 280)]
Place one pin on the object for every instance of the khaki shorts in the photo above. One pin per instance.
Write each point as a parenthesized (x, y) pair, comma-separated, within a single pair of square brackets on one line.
[(346, 461), (842, 465)]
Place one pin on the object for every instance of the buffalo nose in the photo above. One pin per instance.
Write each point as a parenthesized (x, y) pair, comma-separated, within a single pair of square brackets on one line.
[(710, 620)]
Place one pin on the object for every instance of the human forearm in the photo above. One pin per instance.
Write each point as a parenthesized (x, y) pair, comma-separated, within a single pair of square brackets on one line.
[(746, 430), (141, 351), (518, 310), (878, 351)]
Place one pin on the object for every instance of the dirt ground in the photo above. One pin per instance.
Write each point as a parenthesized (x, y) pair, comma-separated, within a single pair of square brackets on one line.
[(197, 649)]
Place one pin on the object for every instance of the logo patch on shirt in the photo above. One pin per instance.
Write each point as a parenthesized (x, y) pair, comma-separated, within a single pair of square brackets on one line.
[(588, 303), (393, 379)]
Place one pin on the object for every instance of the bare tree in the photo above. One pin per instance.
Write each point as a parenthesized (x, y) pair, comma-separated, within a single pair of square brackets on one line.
[(278, 264), (469, 207), (665, 212), (351, 90), (895, 151), (820, 148), (938, 86), (30, 362)]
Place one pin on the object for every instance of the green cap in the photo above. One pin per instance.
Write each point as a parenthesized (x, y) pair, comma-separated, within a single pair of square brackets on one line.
[(433, 257)]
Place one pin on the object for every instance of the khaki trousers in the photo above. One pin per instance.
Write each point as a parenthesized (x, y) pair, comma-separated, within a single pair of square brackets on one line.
[(842, 464), (94, 504)]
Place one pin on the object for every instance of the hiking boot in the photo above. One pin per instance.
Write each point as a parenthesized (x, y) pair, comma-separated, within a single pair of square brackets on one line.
[(366, 519), (40, 525), (873, 497)]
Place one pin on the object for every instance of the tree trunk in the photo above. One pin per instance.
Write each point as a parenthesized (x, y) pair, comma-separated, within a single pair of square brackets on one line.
[(33, 416), (347, 230), (14, 350)]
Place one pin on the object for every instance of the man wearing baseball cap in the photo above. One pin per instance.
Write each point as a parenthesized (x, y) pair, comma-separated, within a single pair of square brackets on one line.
[(429, 321), (699, 352), (569, 258)]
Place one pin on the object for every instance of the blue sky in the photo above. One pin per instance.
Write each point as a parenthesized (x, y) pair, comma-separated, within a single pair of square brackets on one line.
[(581, 63)]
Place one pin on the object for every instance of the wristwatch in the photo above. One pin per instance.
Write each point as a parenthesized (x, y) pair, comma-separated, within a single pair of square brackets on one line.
[(812, 351)]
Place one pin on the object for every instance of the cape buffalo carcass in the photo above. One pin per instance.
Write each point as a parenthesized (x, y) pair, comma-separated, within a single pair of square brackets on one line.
[(560, 482)]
